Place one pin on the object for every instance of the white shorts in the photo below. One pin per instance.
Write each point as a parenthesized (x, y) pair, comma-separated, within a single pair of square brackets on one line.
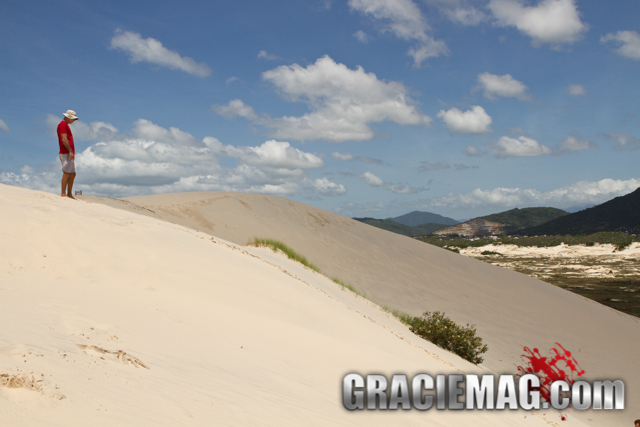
[(68, 166)]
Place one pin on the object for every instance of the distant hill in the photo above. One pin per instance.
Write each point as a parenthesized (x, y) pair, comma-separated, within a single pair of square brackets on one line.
[(503, 222), (472, 228), (406, 230), (418, 218), (517, 219), (619, 214)]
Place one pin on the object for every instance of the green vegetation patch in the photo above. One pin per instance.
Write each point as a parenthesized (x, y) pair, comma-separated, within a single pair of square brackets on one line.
[(622, 293), (400, 315), (345, 285), (620, 213), (447, 334), (491, 253), (277, 245), (517, 219), (405, 230)]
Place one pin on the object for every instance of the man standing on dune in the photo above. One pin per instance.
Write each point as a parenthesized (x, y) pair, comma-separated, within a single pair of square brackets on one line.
[(67, 153)]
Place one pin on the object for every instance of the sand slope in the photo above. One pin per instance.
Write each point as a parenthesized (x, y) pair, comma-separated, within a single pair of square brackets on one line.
[(113, 318), (511, 310)]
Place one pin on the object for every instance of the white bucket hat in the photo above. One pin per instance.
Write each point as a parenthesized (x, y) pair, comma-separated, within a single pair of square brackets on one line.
[(70, 114)]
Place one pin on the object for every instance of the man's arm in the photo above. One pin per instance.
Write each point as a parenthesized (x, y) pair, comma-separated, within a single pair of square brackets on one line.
[(65, 142)]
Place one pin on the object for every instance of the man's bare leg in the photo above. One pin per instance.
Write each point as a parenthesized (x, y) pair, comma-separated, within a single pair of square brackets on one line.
[(64, 183), (72, 177)]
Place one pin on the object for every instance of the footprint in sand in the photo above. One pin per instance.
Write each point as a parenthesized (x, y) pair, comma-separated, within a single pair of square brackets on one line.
[(122, 356), (26, 386)]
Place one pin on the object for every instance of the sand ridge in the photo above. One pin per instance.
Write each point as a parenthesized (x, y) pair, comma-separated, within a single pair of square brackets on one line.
[(510, 310), (228, 333)]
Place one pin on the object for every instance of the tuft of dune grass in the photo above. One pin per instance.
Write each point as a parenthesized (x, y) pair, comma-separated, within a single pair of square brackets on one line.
[(345, 285), (400, 315), (277, 245)]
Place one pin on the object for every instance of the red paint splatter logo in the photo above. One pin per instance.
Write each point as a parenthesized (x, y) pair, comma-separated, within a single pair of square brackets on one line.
[(559, 366)]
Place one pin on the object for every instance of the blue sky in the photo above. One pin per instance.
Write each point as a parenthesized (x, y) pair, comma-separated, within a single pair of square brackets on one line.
[(361, 107)]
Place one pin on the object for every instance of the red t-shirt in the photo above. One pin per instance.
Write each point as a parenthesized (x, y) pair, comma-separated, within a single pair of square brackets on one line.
[(63, 127)]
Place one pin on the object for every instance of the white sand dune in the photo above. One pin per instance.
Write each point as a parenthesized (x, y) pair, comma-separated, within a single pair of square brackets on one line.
[(561, 251), (115, 318), (579, 261)]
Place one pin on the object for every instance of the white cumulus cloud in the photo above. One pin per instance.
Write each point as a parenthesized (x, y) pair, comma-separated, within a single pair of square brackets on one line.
[(519, 147), (341, 156), (362, 36), (571, 143), (576, 90), (474, 121), (629, 40), (93, 131), (275, 154), (523, 146), (624, 140), (343, 102), (472, 151), (363, 159), (147, 130), (235, 108), (404, 19), (550, 21), (4, 127), (152, 159), (401, 17), (325, 187), (465, 16), (504, 86), (152, 51), (374, 181), (478, 202), (263, 54), (579, 195)]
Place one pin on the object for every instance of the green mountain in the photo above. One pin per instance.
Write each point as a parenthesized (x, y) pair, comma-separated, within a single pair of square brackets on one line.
[(418, 218), (516, 219), (512, 220), (619, 214), (406, 230)]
